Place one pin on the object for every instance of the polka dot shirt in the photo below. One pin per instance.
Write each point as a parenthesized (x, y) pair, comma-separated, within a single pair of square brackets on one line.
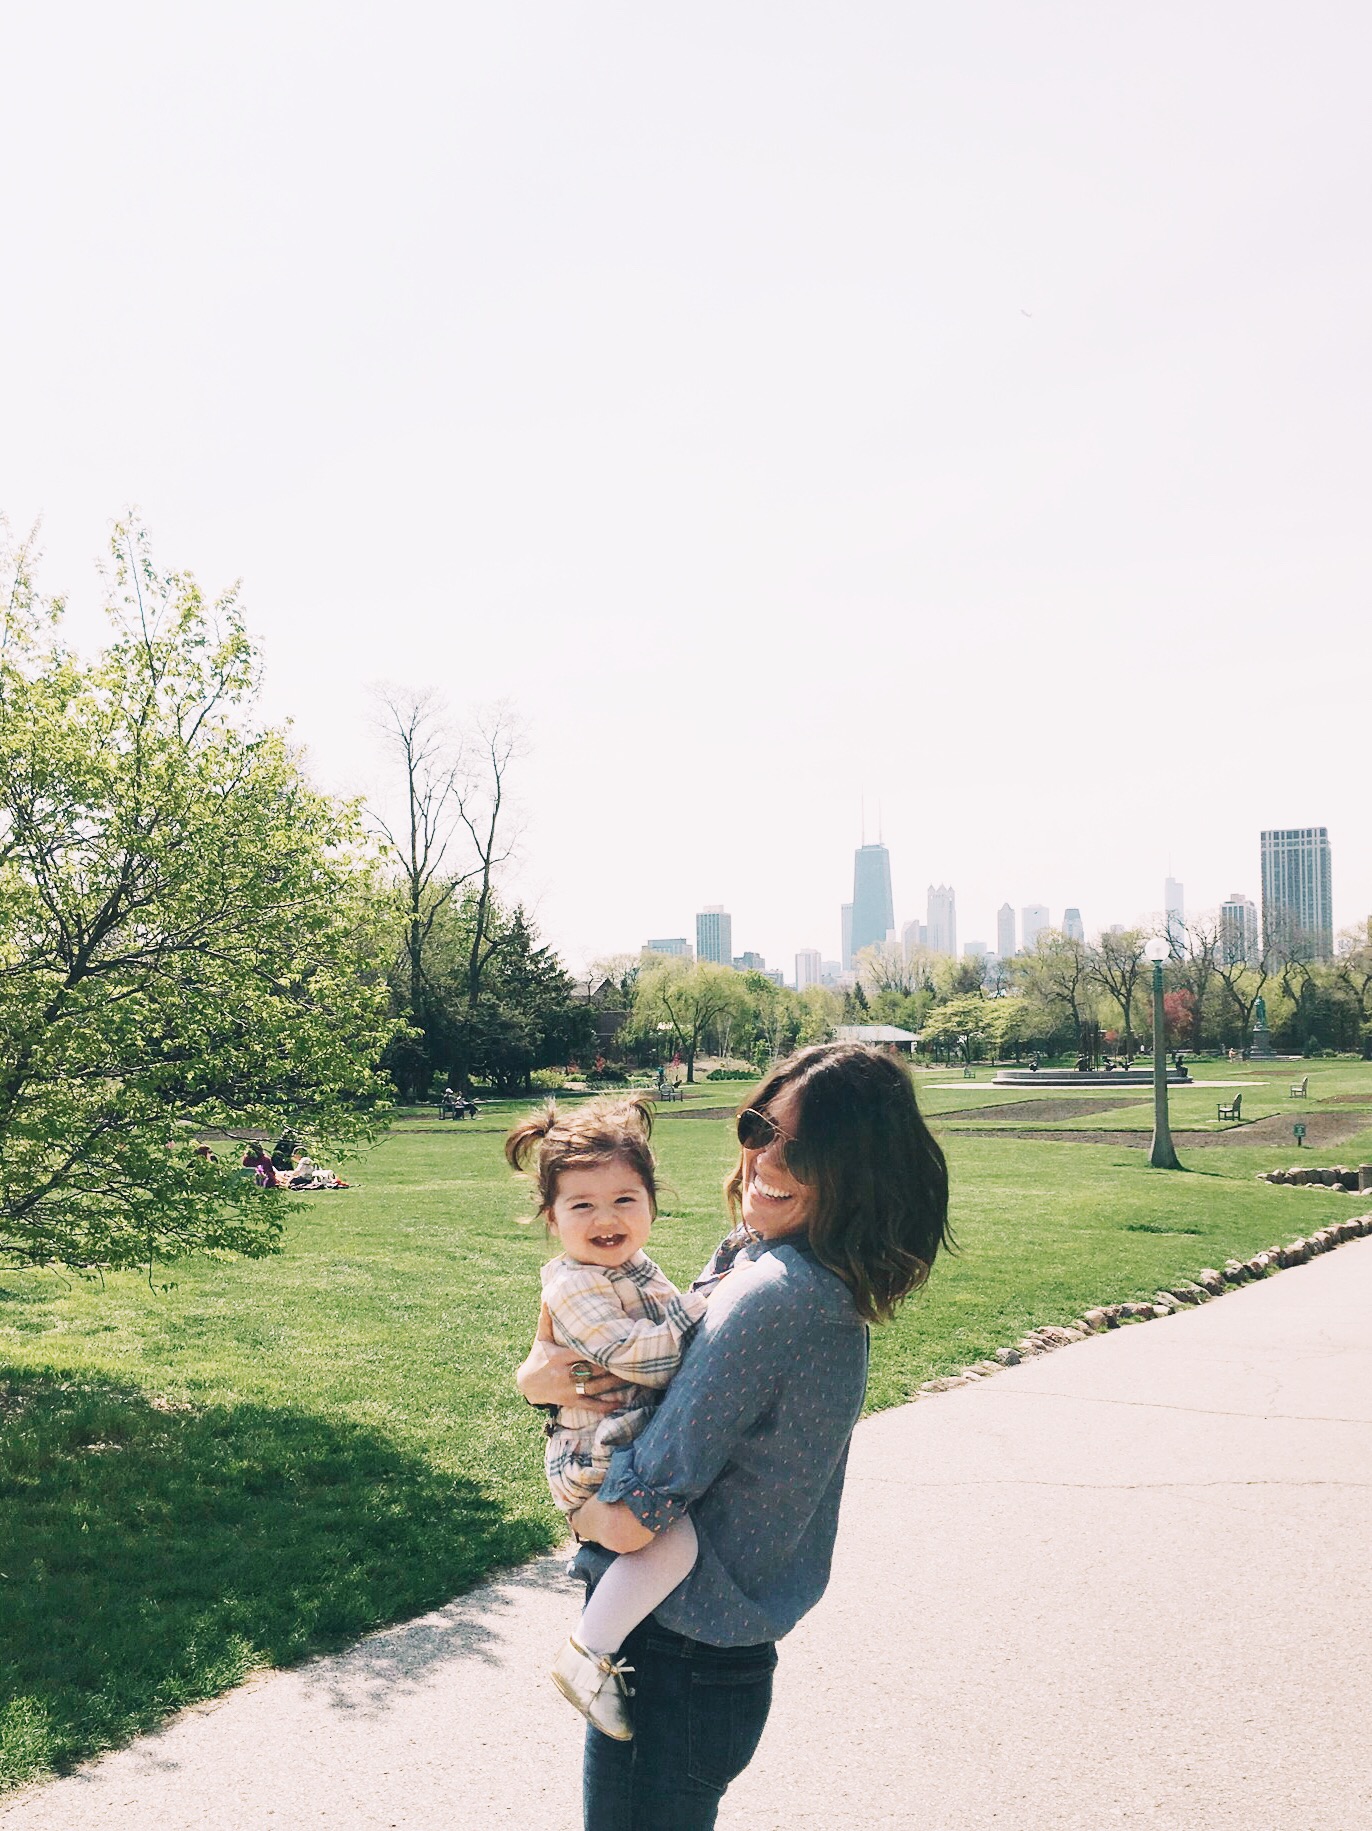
[(752, 1439)]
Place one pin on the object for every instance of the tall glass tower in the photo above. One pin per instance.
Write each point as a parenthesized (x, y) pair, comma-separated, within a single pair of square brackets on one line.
[(943, 919), (1297, 903), (874, 914), (715, 935)]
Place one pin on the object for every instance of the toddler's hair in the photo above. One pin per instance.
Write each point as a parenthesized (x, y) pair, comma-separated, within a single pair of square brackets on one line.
[(600, 1131)]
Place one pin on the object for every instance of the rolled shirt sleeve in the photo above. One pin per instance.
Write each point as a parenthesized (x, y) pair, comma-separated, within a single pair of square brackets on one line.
[(751, 1438), (721, 1389)]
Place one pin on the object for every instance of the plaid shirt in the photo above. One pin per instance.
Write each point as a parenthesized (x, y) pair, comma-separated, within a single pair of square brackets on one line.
[(633, 1321)]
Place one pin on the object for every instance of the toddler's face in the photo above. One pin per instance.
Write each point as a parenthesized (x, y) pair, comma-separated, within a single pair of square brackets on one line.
[(602, 1214)]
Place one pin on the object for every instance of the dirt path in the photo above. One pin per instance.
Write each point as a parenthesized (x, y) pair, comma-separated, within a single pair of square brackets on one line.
[(1321, 1129)]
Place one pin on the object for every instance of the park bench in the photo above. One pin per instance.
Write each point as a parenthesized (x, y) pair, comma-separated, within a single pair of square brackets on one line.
[(669, 1091), (1299, 1089), (1234, 1110)]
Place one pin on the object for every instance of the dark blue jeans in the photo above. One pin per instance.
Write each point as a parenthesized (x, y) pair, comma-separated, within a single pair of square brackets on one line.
[(698, 1716)]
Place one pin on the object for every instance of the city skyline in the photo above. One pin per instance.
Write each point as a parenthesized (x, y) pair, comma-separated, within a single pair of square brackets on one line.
[(1235, 913)]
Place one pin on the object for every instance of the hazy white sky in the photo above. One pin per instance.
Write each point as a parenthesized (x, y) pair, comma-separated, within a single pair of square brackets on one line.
[(968, 406)]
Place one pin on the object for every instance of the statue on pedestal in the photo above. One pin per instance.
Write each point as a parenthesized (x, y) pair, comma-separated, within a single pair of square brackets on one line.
[(1261, 1045)]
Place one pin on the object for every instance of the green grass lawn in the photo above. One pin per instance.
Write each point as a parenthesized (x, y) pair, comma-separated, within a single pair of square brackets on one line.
[(268, 1459)]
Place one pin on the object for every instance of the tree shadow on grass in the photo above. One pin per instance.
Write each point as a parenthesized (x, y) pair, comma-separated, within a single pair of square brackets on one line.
[(152, 1557)]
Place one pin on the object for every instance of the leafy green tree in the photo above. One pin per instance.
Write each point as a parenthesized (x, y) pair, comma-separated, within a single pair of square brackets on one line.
[(958, 1026), (1015, 1022), (1353, 976), (1193, 969), (686, 1001), (1242, 986), (189, 933), (1058, 974), (525, 1016), (1116, 966)]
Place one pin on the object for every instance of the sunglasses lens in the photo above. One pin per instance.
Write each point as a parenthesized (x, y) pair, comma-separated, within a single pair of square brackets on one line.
[(755, 1131), (796, 1161)]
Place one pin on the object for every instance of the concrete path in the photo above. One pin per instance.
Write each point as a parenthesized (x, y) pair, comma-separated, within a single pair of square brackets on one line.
[(1125, 1584)]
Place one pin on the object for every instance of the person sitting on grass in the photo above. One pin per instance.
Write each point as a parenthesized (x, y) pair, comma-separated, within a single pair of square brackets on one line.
[(308, 1175), (256, 1159)]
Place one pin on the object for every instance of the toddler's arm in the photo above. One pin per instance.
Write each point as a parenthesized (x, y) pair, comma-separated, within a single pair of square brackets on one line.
[(587, 1315)]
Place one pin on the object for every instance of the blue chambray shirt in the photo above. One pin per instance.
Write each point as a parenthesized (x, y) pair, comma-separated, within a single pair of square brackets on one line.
[(752, 1437)]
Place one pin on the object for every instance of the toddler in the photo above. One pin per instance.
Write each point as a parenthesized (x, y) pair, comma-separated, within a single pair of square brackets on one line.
[(597, 1192)]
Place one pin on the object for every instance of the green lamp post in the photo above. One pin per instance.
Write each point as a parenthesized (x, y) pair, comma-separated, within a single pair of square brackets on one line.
[(1163, 1155)]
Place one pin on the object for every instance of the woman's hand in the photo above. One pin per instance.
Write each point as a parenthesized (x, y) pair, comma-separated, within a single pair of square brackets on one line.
[(546, 1376), (611, 1524)]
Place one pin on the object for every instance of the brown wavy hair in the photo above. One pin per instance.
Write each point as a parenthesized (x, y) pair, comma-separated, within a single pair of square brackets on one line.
[(600, 1131), (880, 1181)]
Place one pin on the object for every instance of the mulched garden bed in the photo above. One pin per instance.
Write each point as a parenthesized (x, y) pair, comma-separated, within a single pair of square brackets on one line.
[(1036, 1109)]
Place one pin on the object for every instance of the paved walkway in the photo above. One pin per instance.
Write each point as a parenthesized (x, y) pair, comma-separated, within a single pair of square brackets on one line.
[(1125, 1584)]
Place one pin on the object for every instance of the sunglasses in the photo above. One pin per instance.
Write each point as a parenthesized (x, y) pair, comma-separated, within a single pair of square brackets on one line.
[(758, 1132)]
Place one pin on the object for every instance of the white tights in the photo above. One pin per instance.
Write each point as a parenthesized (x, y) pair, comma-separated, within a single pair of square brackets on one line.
[(635, 1584)]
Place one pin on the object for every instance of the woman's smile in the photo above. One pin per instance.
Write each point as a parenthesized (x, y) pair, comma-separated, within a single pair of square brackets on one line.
[(774, 1203)]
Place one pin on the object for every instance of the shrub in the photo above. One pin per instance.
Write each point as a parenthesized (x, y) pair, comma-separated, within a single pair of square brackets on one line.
[(732, 1074)]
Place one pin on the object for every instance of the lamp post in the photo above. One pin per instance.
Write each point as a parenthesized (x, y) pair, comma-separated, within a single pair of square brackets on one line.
[(1163, 1155)]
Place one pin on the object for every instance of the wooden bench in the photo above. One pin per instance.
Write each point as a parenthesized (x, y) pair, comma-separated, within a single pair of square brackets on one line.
[(1299, 1089), (1234, 1111)]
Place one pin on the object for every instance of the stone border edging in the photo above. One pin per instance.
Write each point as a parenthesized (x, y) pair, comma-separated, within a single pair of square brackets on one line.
[(1207, 1284), (1339, 1178)]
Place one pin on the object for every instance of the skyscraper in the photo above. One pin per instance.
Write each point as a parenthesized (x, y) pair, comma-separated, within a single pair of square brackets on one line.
[(1072, 925), (1297, 902), (1005, 931), (874, 913), (715, 935), (1174, 912), (1239, 930), (1033, 919), (943, 920), (846, 951), (809, 968), (913, 936)]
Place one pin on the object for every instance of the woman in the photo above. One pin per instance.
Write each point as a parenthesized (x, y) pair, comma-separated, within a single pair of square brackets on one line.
[(841, 1199)]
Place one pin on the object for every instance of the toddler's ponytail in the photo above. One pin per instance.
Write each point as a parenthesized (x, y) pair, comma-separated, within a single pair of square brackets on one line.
[(548, 1142)]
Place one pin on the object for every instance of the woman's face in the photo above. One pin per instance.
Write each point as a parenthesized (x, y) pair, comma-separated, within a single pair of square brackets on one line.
[(775, 1205)]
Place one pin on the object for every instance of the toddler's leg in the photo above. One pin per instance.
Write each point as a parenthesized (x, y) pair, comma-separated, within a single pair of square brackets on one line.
[(634, 1585)]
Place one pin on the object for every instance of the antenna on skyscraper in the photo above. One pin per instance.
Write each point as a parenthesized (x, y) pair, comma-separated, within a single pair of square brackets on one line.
[(881, 836), (863, 803)]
